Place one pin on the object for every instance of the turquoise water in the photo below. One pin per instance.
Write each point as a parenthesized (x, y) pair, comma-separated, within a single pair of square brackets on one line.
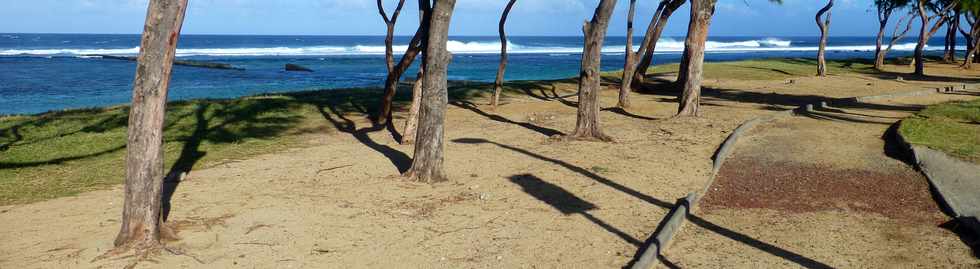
[(43, 72)]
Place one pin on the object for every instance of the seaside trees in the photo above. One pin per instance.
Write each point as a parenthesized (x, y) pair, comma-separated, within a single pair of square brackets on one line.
[(141, 219), (823, 22), (395, 71), (587, 122), (427, 162), (941, 8), (885, 9), (412, 123), (652, 36), (627, 78), (390, 34), (692, 60), (498, 84), (971, 8)]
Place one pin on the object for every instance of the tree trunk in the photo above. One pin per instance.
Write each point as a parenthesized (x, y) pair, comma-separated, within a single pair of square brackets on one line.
[(427, 162), (924, 35), (587, 123), (391, 81), (896, 36), (627, 78), (693, 58), (412, 123), (144, 148), (498, 84), (389, 38), (949, 52), (824, 24), (972, 43), (919, 46), (654, 30), (883, 16)]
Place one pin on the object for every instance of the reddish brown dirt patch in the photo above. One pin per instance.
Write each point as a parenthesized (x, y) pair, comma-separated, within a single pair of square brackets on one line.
[(796, 188)]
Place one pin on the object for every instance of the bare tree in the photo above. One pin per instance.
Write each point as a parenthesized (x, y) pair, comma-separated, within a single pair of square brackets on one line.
[(498, 84), (627, 78), (823, 22), (653, 32), (885, 10), (428, 162), (141, 217), (587, 123), (692, 60)]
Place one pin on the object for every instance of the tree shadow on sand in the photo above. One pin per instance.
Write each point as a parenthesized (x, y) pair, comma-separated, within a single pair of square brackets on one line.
[(558, 197)]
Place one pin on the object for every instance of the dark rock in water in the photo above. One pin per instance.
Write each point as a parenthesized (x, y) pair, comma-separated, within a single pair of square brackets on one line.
[(177, 62), (296, 67)]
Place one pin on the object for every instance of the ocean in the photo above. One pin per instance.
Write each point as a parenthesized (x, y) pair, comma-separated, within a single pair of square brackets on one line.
[(44, 72)]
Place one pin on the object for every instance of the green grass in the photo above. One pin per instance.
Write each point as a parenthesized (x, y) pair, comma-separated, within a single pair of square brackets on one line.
[(953, 128), (64, 153)]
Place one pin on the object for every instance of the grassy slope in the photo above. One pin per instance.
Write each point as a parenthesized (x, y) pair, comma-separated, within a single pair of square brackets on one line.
[(953, 128), (64, 153)]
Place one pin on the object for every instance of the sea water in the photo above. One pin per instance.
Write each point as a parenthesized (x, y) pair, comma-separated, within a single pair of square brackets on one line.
[(43, 72)]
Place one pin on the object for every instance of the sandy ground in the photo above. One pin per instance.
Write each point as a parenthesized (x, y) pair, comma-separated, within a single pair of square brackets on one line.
[(516, 198), (825, 189)]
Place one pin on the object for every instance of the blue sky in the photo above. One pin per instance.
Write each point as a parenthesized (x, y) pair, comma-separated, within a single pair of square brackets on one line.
[(473, 17)]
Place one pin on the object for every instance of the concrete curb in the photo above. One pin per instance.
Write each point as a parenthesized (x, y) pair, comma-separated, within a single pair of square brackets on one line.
[(948, 175), (675, 219)]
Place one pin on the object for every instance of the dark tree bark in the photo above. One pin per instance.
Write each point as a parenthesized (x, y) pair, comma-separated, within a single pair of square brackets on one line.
[(144, 148), (895, 37), (627, 78), (391, 81), (427, 162), (692, 62), (924, 34), (949, 52), (389, 38), (884, 14), (823, 22), (498, 84), (654, 30), (971, 41), (587, 123)]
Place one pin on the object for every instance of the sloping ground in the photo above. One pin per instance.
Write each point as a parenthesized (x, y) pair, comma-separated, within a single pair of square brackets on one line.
[(825, 189), (516, 198)]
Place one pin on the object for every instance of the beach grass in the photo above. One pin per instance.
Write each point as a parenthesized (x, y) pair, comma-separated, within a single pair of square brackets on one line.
[(64, 153), (952, 127)]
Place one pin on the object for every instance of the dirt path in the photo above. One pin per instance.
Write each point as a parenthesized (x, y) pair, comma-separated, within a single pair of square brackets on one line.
[(516, 198), (826, 189)]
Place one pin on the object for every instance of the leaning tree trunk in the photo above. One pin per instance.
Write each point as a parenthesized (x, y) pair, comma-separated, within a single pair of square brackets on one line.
[(144, 148), (627, 79), (895, 37), (824, 24), (654, 30), (883, 16), (923, 37), (587, 123), (412, 123), (972, 43), (427, 162), (693, 59), (498, 84), (391, 81)]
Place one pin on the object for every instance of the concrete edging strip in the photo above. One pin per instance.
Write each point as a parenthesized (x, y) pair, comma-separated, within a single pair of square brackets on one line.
[(675, 219)]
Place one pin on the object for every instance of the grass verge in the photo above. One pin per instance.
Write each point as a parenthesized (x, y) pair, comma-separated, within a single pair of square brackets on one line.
[(952, 127)]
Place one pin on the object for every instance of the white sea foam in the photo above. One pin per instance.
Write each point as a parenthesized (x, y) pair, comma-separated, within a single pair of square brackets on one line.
[(665, 45)]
